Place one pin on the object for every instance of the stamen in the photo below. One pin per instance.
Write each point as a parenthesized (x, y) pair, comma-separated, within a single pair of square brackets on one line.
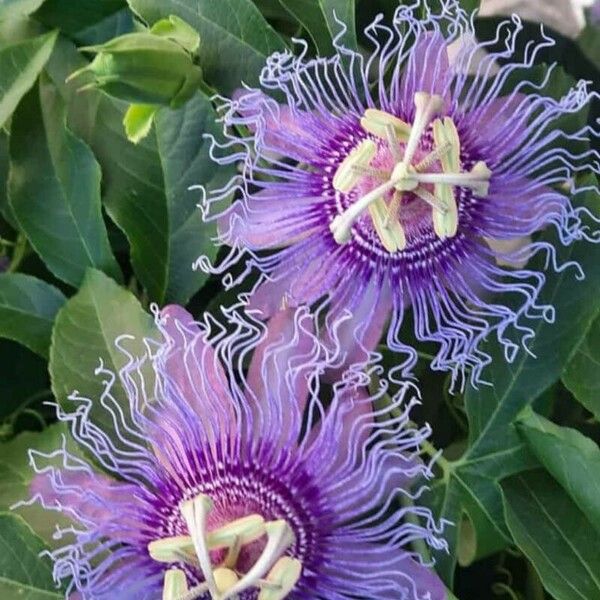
[(433, 157), (281, 579), (392, 141), (376, 122), (225, 579), (173, 549), (445, 134), (432, 200), (175, 584), (341, 226), (279, 538), (372, 172), (390, 231), (195, 513), (345, 177)]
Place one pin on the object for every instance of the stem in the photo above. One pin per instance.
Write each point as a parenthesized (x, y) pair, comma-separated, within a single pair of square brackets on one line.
[(19, 253), (419, 545), (534, 584)]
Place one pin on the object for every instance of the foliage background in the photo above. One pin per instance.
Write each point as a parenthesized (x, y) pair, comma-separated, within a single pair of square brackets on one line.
[(93, 229)]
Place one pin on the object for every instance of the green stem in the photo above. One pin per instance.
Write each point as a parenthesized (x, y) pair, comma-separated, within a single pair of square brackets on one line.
[(534, 584), (419, 545), (20, 252)]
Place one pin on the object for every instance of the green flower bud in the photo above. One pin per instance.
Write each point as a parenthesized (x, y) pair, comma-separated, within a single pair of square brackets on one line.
[(153, 67)]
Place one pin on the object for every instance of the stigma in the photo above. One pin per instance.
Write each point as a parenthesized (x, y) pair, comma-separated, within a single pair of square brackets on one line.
[(409, 174), (273, 574)]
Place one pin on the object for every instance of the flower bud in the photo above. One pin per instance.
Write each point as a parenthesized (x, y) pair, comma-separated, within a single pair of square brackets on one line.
[(152, 67)]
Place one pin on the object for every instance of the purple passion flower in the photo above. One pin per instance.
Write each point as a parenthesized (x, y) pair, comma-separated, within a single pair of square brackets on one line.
[(403, 180), (224, 484)]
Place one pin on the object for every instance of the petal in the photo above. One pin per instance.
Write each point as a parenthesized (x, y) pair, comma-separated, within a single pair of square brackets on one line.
[(279, 129), (271, 219), (279, 373), (360, 332), (428, 70), (89, 497), (510, 253), (194, 370)]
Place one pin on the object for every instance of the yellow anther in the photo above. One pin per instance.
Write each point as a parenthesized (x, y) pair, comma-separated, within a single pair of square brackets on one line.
[(346, 177), (175, 585), (445, 135), (173, 549), (377, 122), (445, 223), (389, 230), (225, 579), (481, 175), (243, 531), (281, 579)]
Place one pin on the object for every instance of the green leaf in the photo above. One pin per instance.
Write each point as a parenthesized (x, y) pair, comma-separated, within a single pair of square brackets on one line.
[(27, 310), (138, 121), (235, 39), (570, 457), (54, 189), (554, 534), (321, 18), (20, 65), (17, 8), (178, 31), (23, 573), (5, 209), (582, 374), (495, 449), (72, 17), (16, 475), (147, 193), (84, 335)]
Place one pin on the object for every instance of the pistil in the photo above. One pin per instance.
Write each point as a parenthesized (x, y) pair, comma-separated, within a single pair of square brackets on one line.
[(272, 573), (405, 177)]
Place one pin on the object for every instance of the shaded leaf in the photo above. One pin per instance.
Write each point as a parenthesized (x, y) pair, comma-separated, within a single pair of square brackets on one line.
[(26, 390), (582, 374), (495, 449), (147, 193), (20, 65), (554, 534), (323, 20), (54, 189), (27, 310), (235, 39), (84, 336), (569, 456), (72, 17), (23, 572)]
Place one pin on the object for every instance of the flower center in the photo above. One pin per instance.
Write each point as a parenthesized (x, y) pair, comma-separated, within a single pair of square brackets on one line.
[(409, 173), (273, 574)]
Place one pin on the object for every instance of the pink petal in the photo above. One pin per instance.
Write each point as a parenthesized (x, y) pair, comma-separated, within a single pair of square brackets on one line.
[(278, 376), (195, 370)]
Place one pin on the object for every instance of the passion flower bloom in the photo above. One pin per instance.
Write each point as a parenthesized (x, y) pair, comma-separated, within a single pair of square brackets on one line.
[(403, 181), (229, 484)]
